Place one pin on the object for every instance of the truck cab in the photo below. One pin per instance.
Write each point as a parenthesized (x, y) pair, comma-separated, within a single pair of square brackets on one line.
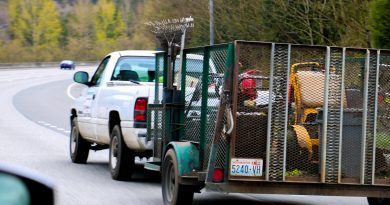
[(111, 111)]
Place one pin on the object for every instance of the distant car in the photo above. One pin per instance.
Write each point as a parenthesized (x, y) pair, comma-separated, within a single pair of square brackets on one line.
[(67, 64)]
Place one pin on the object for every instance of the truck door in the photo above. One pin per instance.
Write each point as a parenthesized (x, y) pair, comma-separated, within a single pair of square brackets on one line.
[(88, 126)]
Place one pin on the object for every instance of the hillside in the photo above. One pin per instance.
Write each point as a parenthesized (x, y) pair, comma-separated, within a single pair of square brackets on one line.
[(87, 29)]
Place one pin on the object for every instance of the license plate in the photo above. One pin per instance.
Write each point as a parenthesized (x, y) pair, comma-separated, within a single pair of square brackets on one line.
[(246, 167)]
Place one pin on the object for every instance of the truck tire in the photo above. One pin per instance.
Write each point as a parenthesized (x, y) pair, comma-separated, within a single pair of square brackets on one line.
[(173, 192), (378, 201), (121, 157), (78, 146)]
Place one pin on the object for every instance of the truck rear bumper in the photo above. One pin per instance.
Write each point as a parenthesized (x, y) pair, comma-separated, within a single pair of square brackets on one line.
[(135, 138)]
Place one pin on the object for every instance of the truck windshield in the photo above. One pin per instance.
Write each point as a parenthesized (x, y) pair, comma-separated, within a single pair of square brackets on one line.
[(135, 68)]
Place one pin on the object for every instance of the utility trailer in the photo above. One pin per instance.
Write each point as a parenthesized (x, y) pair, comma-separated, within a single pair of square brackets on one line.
[(273, 118)]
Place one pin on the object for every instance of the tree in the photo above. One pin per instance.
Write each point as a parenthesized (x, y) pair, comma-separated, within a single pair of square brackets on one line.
[(141, 37), (128, 8), (300, 21), (351, 18), (237, 20), (81, 32), (36, 24), (109, 26), (330, 22), (92, 28), (380, 23)]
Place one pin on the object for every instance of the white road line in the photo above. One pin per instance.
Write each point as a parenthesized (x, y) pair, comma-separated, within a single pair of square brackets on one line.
[(53, 126), (68, 91)]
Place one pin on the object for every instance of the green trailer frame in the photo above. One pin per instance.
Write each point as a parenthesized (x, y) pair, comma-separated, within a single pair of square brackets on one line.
[(211, 122)]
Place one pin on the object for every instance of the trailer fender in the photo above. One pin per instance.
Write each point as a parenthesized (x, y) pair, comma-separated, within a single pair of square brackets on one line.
[(187, 154)]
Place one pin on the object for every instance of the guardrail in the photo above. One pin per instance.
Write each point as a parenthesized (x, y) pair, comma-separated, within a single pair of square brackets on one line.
[(43, 64)]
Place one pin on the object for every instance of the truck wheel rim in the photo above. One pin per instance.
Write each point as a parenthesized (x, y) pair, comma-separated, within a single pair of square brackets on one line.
[(73, 140), (114, 151)]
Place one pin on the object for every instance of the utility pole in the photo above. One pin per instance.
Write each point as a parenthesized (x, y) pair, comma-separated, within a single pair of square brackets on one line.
[(211, 6)]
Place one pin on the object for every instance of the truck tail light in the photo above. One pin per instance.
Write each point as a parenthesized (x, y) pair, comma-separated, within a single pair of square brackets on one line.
[(217, 175), (140, 109)]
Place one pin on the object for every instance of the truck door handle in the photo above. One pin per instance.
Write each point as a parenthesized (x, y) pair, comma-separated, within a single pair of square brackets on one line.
[(93, 97)]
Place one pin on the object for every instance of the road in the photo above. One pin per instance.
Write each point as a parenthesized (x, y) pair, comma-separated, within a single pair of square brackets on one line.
[(34, 129)]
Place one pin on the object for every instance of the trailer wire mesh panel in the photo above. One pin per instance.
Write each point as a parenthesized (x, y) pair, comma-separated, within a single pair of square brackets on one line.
[(249, 112), (319, 122), (308, 113), (202, 78), (382, 153), (156, 129)]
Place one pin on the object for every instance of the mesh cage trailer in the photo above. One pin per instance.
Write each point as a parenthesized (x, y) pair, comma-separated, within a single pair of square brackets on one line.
[(257, 117)]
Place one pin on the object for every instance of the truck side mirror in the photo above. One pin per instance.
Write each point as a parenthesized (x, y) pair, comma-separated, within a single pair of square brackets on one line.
[(23, 186), (81, 77)]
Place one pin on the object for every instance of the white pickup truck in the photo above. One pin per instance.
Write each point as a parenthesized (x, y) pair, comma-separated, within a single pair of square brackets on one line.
[(111, 111)]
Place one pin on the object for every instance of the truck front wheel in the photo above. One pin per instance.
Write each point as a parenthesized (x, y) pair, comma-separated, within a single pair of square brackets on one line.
[(78, 146), (121, 157), (173, 192)]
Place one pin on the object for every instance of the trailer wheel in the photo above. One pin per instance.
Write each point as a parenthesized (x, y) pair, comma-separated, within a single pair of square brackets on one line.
[(173, 192), (378, 201), (121, 158), (78, 146)]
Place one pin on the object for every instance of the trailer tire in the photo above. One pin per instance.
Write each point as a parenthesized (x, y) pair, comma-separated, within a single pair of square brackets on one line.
[(78, 146), (378, 201), (121, 160), (173, 192)]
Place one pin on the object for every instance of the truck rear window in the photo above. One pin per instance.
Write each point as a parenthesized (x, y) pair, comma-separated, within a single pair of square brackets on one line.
[(136, 68)]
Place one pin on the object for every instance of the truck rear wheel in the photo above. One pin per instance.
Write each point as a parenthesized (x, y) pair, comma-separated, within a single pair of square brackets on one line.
[(78, 146), (173, 192), (378, 201), (121, 158)]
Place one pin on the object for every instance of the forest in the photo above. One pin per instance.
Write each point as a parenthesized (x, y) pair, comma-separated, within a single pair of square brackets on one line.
[(84, 30)]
